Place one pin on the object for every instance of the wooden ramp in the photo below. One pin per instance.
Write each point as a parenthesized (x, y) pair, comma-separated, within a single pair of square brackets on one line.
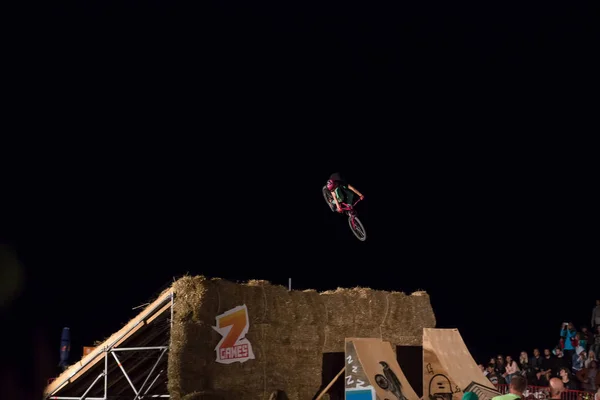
[(372, 372), (68, 382), (449, 370)]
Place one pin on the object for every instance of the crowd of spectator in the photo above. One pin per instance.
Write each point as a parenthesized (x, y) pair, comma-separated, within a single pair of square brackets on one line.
[(518, 390), (574, 360)]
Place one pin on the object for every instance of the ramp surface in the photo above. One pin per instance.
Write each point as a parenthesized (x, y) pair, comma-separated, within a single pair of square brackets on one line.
[(449, 370), (373, 373)]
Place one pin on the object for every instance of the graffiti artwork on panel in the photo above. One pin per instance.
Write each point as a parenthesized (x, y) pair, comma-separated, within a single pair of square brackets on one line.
[(389, 381), (233, 346), (357, 383), (440, 386)]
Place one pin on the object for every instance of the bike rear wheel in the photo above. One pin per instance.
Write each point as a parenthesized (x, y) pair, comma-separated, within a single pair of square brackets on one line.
[(358, 229), (328, 197)]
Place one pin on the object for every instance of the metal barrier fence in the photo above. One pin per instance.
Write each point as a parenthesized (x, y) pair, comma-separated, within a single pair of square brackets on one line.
[(531, 393), (543, 392)]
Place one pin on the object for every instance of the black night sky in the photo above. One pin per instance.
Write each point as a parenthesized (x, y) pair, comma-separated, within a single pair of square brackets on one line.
[(173, 138)]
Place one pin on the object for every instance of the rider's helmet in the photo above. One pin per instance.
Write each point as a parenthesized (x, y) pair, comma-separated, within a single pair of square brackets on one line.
[(331, 184)]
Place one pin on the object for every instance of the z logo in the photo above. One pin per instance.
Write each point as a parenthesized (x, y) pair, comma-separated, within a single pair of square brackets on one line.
[(233, 346)]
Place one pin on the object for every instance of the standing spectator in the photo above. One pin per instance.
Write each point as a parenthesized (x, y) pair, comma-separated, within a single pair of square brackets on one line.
[(512, 369), (567, 379), (597, 396), (516, 388), (580, 341), (596, 315), (596, 343), (589, 337), (568, 332), (556, 388)]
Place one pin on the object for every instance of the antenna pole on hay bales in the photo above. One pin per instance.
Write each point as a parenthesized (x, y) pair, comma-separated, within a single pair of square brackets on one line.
[(290, 284)]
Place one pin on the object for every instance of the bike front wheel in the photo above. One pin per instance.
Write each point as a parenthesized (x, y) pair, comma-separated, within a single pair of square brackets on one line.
[(357, 228)]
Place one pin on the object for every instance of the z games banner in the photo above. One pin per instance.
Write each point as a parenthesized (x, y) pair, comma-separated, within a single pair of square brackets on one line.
[(233, 346)]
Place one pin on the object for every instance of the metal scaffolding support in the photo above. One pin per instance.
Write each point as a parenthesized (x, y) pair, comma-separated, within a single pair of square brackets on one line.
[(147, 382), (139, 395), (162, 353), (92, 385)]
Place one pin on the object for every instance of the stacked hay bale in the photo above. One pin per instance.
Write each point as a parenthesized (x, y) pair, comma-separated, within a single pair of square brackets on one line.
[(289, 331)]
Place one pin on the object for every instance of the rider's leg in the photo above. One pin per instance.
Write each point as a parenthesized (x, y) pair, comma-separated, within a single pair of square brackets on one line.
[(332, 205), (350, 197)]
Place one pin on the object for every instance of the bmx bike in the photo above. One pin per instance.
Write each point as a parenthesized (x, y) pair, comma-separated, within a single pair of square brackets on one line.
[(355, 225)]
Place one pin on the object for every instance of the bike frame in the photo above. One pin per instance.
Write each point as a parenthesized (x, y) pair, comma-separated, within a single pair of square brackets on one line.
[(351, 211)]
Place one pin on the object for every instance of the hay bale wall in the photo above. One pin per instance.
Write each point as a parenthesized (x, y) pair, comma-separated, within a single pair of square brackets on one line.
[(289, 332)]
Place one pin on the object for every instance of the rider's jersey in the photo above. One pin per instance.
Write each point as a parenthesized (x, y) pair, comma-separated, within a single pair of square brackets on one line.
[(343, 193)]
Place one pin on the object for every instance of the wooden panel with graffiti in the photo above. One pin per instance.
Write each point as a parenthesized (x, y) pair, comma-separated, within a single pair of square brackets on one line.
[(357, 386), (437, 384), (374, 363), (449, 370)]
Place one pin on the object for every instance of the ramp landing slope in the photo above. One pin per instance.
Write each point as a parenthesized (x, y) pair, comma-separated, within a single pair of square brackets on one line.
[(449, 370), (372, 372)]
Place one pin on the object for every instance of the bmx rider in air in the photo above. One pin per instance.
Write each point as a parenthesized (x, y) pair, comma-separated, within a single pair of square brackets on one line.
[(341, 192)]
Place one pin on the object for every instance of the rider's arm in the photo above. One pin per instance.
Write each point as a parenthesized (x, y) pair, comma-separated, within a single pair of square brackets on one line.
[(355, 190), (337, 203)]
